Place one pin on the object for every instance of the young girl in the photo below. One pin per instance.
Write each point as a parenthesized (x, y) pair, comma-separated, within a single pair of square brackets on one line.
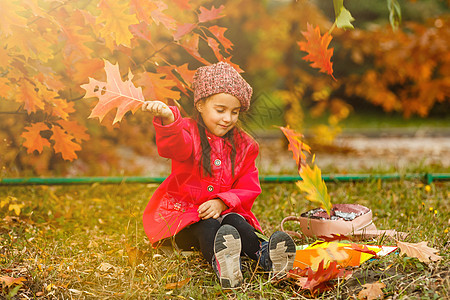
[(206, 201)]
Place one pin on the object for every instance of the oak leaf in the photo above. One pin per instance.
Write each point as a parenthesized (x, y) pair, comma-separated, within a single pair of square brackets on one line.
[(218, 32), (419, 250), (372, 291), (313, 184), (29, 97), (159, 17), (297, 146), (182, 30), (64, 143), (114, 93), (214, 45), (209, 15), (191, 46), (75, 129), (183, 71), (33, 138), (333, 253), (316, 46), (9, 281), (319, 280)]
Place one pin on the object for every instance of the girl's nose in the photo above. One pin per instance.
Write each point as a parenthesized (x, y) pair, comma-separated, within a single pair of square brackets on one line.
[(227, 118)]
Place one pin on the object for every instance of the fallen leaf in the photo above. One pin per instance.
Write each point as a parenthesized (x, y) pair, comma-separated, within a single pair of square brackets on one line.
[(372, 291), (135, 256), (177, 285), (419, 250), (9, 281), (105, 267)]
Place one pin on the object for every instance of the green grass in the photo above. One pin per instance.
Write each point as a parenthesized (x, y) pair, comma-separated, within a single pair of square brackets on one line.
[(87, 242)]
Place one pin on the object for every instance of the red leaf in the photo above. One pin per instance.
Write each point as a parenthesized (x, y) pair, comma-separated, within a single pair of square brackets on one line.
[(333, 237), (183, 4), (319, 280), (296, 146), (182, 30), (33, 138), (219, 34), (114, 93), (214, 45), (191, 46), (183, 70), (316, 46), (141, 30), (159, 17), (64, 143), (363, 249), (209, 15)]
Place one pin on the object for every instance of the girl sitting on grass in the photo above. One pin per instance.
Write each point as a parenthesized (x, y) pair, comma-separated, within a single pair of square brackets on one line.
[(206, 201)]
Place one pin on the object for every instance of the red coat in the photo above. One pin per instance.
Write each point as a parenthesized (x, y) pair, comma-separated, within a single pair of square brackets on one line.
[(174, 204)]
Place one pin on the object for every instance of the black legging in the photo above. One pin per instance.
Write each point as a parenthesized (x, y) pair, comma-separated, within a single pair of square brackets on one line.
[(201, 236)]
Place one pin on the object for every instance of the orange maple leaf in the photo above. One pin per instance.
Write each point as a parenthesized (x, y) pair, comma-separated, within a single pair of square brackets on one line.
[(114, 93), (156, 87), (296, 146), (33, 138), (209, 15), (316, 46), (64, 143)]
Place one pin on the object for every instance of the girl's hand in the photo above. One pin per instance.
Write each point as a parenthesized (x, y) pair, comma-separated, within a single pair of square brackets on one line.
[(211, 209), (159, 109)]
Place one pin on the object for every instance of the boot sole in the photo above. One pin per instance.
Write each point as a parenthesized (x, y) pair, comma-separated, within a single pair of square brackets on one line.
[(227, 250), (282, 253)]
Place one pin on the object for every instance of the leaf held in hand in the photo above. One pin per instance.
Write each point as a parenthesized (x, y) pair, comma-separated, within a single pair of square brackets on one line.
[(419, 250), (114, 93), (316, 46)]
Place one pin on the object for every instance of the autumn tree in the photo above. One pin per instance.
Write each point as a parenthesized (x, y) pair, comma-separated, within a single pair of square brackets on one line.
[(50, 48)]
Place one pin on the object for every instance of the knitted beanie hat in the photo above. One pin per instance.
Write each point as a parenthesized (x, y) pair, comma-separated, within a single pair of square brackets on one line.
[(221, 78)]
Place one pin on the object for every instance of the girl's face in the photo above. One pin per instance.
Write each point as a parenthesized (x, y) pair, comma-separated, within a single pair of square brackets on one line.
[(220, 112)]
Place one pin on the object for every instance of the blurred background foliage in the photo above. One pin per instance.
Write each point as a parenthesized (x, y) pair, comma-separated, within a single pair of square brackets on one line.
[(379, 71)]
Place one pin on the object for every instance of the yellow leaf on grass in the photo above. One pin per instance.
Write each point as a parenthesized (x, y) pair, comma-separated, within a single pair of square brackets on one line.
[(16, 207), (372, 291), (419, 250), (135, 256)]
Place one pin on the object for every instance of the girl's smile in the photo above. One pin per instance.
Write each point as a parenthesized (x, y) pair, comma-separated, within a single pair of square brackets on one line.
[(220, 112)]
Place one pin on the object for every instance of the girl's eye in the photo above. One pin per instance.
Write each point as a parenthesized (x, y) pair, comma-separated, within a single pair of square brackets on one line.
[(220, 111), (235, 112)]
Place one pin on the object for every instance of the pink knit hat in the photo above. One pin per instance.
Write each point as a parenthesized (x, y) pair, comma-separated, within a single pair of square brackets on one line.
[(221, 78)]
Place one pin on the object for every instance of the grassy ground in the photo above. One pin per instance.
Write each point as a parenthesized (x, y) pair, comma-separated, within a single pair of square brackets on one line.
[(87, 242)]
